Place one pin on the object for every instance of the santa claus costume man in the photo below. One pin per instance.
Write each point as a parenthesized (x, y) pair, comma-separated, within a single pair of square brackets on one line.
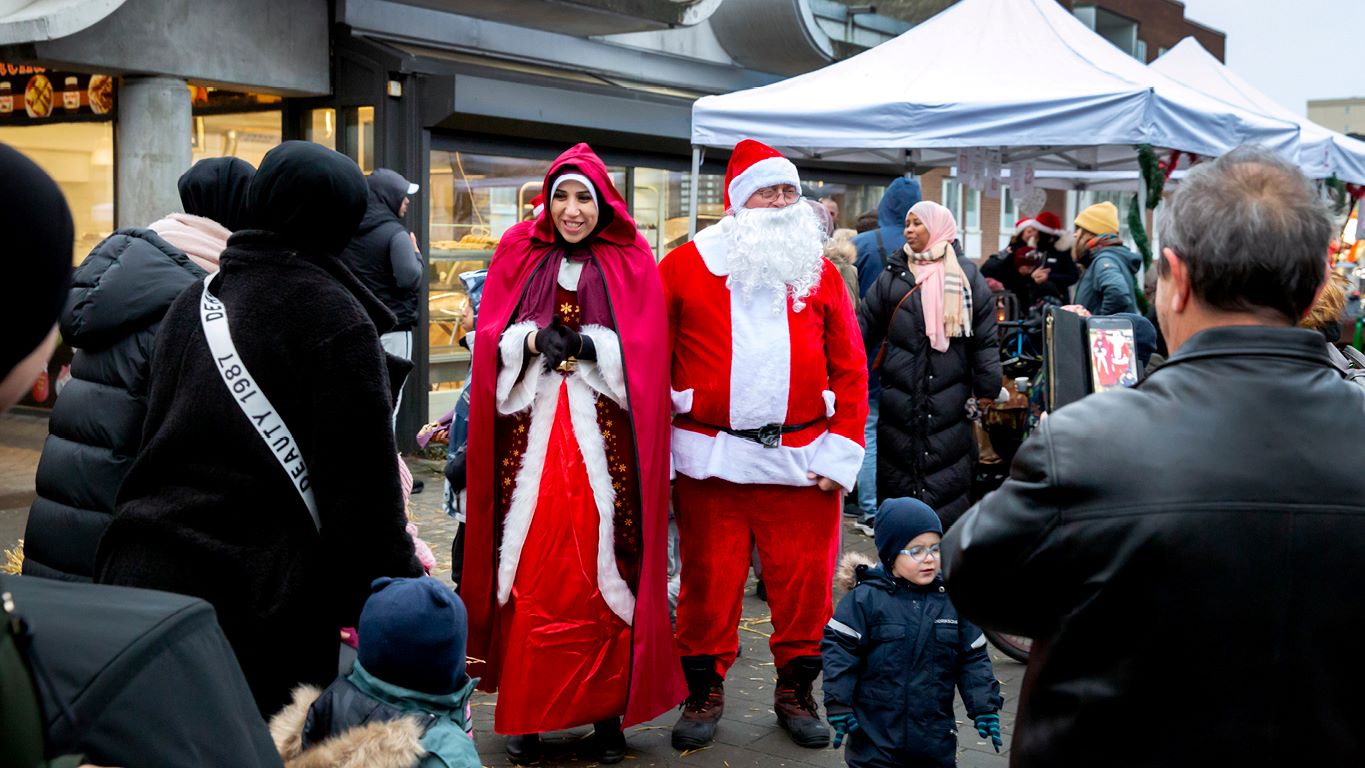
[(564, 571), (769, 382)]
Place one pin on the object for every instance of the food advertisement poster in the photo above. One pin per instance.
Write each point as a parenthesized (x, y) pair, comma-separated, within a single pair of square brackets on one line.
[(30, 95)]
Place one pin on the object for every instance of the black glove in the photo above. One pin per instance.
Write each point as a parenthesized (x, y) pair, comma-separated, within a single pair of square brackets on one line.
[(586, 349), (556, 343)]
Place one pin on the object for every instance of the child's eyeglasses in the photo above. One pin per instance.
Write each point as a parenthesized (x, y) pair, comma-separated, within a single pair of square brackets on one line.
[(920, 554)]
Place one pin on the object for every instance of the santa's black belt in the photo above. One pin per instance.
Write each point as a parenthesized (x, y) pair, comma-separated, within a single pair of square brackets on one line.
[(768, 435)]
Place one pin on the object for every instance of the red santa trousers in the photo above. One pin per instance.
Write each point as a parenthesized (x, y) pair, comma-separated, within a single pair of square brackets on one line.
[(797, 533)]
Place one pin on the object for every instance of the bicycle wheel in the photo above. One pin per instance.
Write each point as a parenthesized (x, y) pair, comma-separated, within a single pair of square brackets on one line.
[(1014, 646)]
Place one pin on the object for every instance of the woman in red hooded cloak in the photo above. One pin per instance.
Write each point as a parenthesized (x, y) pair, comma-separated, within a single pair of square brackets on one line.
[(564, 572)]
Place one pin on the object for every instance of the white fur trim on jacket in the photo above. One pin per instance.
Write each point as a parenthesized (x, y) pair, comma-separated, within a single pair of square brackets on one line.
[(839, 459), (737, 460), (760, 360), (583, 415), (606, 374), (713, 245), (515, 391), (682, 401), (764, 173)]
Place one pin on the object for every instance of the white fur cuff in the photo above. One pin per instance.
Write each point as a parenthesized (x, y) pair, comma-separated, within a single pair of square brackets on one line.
[(515, 392), (839, 459), (606, 374)]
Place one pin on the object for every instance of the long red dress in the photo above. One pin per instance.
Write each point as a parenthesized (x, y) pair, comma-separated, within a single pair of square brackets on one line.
[(565, 652)]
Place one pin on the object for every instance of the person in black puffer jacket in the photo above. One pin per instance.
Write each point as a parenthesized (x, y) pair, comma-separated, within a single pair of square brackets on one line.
[(120, 293), (929, 372)]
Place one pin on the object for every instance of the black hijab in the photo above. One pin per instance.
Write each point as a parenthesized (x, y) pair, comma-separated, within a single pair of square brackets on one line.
[(216, 188), (311, 196), (35, 256)]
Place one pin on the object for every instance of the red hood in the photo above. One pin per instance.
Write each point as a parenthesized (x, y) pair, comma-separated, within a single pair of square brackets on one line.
[(580, 158)]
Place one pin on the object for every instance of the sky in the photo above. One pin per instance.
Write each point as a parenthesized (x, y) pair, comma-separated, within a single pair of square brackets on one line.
[(1292, 50)]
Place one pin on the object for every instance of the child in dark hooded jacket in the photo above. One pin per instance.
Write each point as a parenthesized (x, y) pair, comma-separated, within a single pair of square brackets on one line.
[(405, 703), (896, 648)]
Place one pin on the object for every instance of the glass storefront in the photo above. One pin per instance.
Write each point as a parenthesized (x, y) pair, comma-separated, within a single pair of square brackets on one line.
[(474, 198), (80, 158), (247, 135)]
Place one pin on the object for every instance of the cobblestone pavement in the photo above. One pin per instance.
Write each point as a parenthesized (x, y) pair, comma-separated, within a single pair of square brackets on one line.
[(748, 734)]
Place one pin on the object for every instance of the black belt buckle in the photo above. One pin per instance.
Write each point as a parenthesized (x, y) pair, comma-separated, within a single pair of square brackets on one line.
[(770, 436)]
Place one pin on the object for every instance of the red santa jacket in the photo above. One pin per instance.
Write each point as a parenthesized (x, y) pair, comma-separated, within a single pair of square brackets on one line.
[(739, 364)]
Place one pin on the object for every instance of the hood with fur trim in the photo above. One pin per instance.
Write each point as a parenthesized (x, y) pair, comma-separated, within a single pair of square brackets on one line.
[(846, 576), (389, 744)]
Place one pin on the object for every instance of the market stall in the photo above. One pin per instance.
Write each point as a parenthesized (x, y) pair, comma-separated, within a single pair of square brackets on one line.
[(988, 86), (1323, 153)]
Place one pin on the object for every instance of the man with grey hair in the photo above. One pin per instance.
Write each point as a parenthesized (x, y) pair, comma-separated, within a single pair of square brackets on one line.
[(1186, 554)]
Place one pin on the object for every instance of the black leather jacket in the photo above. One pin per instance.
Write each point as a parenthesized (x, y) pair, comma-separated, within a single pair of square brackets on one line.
[(1191, 556)]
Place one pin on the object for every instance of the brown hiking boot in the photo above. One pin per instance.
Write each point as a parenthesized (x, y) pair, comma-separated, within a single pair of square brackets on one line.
[(794, 703), (704, 705)]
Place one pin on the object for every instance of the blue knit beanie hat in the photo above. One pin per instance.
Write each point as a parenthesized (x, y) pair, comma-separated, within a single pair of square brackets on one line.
[(412, 634), (899, 521)]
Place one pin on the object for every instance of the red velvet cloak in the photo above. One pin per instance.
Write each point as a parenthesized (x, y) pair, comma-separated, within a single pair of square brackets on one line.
[(635, 294)]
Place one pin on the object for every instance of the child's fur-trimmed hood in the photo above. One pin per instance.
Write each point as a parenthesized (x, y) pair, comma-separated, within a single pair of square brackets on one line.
[(389, 744), (846, 576)]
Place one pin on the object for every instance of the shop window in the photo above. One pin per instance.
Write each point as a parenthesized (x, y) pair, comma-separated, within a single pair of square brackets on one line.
[(952, 198), (248, 135), (322, 127), (660, 206), (853, 199), (1009, 213), (360, 125), (972, 218), (80, 158)]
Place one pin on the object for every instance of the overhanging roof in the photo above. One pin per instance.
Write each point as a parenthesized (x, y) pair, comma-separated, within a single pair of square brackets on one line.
[(34, 21)]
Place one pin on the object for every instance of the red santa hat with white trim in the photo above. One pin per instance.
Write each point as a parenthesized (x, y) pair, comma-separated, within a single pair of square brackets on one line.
[(537, 206), (753, 166), (1046, 221)]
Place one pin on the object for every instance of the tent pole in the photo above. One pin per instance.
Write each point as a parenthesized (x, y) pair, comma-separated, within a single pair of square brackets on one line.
[(692, 193)]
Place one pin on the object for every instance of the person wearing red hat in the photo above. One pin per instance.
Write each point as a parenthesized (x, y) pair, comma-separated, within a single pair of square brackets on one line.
[(1036, 265), (769, 381), (564, 570)]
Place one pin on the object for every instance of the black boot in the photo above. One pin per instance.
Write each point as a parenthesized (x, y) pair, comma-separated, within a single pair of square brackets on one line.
[(609, 741), (794, 703), (524, 749), (704, 705)]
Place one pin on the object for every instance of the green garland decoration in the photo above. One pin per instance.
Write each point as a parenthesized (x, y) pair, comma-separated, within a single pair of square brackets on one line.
[(1152, 173), (1144, 246), (1337, 188)]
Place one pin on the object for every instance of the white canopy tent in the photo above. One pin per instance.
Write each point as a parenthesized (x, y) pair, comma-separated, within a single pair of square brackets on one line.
[(1022, 76), (1322, 151)]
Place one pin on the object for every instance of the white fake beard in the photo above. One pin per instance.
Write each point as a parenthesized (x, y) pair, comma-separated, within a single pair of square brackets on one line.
[(775, 248)]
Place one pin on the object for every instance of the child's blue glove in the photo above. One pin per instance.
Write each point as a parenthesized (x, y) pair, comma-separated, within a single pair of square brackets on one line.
[(989, 725), (844, 724)]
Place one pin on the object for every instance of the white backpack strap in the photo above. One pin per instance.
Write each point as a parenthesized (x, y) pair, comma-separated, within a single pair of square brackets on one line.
[(253, 402)]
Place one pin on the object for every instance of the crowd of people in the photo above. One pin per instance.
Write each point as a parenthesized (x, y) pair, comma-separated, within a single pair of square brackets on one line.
[(1178, 550)]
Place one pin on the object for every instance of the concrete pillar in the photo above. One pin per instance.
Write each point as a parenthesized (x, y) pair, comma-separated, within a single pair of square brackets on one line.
[(153, 145)]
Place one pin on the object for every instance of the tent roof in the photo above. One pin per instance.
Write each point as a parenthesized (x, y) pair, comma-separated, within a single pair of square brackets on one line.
[(1322, 151), (1024, 75)]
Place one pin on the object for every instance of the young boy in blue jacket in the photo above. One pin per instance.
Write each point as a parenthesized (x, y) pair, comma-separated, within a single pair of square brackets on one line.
[(896, 648)]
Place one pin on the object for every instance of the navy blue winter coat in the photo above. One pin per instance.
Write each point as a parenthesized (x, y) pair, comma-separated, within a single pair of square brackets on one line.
[(892, 654), (874, 245)]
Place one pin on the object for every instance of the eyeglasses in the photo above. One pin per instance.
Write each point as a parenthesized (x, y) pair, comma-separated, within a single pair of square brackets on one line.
[(920, 554), (787, 192)]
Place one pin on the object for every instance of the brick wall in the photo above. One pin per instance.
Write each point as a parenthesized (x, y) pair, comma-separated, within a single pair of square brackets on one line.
[(1161, 24)]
